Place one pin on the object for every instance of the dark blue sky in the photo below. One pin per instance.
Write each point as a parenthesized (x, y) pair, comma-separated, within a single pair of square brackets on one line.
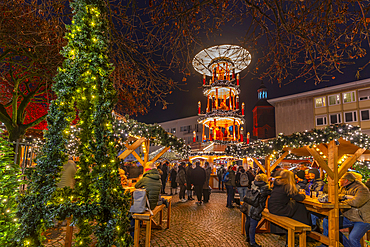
[(184, 103)]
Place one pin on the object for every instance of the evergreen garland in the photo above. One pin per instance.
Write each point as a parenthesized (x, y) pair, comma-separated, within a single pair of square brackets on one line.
[(260, 149), (10, 179), (83, 82)]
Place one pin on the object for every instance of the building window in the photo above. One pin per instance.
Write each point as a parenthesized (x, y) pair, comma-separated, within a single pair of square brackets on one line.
[(321, 120), (167, 130), (334, 99), (364, 94), (320, 102), (349, 97), (350, 117), (335, 118), (365, 116), (173, 130)]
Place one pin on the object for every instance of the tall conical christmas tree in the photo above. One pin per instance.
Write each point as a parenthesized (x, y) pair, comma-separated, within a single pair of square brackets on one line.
[(84, 84)]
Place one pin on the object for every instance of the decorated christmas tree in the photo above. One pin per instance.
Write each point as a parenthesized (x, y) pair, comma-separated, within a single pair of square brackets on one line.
[(98, 203), (10, 181)]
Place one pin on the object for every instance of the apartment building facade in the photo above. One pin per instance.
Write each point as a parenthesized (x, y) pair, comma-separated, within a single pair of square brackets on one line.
[(184, 128), (345, 103)]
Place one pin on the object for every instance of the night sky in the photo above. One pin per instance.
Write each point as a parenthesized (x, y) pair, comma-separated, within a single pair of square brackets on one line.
[(184, 103)]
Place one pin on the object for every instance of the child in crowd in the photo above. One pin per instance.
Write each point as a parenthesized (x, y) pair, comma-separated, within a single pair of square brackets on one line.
[(255, 213)]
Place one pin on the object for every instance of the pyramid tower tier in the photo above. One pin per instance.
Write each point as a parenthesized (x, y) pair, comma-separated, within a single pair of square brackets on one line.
[(221, 92), (226, 128), (222, 98), (220, 57)]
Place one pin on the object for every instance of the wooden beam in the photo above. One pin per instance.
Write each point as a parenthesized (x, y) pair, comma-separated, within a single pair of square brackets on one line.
[(132, 148), (259, 165), (159, 154), (349, 162), (279, 160), (146, 153), (320, 161), (138, 158)]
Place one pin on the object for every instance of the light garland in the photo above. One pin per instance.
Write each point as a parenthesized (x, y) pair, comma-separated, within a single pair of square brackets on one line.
[(261, 149)]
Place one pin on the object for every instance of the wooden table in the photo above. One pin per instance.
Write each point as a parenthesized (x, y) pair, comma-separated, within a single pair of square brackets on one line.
[(324, 208), (148, 218)]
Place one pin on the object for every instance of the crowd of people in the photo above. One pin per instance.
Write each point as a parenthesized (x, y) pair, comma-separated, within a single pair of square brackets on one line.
[(289, 188), (286, 190)]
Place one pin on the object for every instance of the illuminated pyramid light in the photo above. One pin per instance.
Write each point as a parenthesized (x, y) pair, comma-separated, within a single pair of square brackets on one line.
[(222, 117)]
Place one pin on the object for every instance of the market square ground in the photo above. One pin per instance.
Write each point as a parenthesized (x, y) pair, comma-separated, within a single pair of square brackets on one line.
[(211, 224)]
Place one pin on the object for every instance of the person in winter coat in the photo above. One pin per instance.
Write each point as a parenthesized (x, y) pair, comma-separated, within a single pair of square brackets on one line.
[(316, 184), (255, 213), (173, 175), (198, 177), (285, 201), (354, 193), (151, 181), (181, 180), (242, 182), (164, 177), (230, 185), (188, 171), (207, 168)]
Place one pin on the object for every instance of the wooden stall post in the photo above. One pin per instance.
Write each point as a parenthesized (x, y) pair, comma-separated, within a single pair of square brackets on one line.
[(333, 218)]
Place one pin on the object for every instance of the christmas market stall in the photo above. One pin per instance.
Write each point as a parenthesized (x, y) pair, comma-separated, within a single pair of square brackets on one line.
[(334, 148), (132, 134)]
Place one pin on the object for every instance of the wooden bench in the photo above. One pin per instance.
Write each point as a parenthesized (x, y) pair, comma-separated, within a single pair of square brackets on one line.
[(148, 218), (291, 225)]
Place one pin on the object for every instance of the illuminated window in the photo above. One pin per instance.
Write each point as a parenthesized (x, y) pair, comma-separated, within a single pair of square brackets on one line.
[(350, 116), (349, 97), (320, 102), (334, 99), (321, 120), (335, 118)]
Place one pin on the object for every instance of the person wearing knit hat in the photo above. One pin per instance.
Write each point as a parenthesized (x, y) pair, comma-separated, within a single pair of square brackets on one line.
[(301, 180), (355, 194)]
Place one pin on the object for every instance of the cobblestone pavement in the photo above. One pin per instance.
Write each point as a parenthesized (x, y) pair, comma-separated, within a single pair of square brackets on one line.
[(211, 224)]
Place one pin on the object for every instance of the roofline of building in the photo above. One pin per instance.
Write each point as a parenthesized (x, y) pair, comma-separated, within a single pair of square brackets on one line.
[(321, 91), (174, 120)]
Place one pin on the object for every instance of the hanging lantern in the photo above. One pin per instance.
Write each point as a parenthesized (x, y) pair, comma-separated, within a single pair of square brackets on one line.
[(237, 79), (248, 135), (198, 107), (241, 134), (204, 79), (243, 108), (237, 102), (194, 136)]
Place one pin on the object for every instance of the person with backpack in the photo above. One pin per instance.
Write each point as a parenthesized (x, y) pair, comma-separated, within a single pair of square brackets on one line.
[(242, 182), (229, 180), (261, 185), (220, 174)]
